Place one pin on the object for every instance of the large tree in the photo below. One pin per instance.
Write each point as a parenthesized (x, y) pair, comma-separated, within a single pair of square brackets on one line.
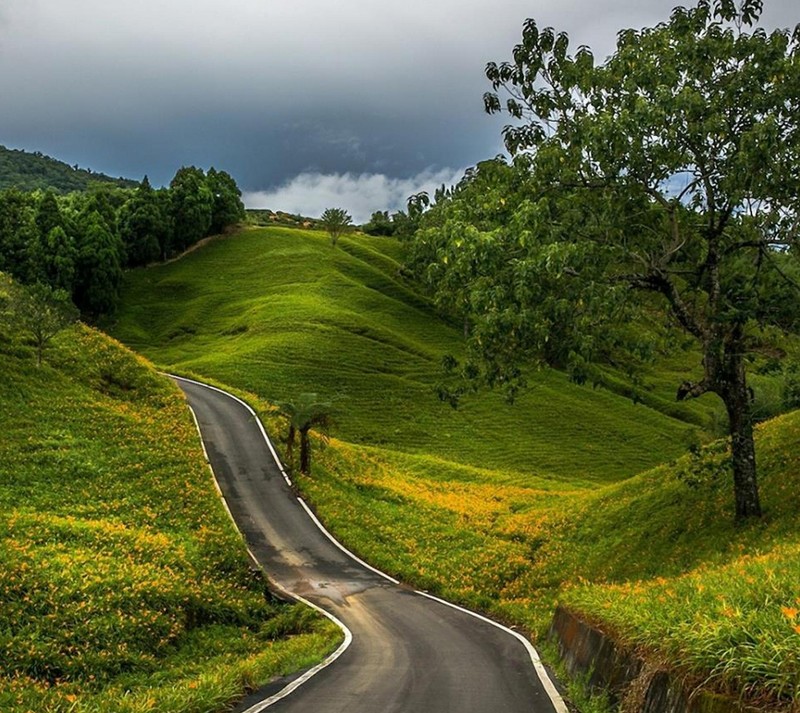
[(59, 256), (98, 267), (192, 206), (18, 234), (48, 214), (143, 226), (671, 170), (228, 207)]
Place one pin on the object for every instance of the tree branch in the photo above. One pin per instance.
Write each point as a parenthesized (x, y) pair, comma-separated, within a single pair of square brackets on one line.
[(658, 281), (693, 389)]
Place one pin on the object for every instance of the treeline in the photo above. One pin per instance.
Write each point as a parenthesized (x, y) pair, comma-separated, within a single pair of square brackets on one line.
[(81, 242), (35, 171), (401, 224)]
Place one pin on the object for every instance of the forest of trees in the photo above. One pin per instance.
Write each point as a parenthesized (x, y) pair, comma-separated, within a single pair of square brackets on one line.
[(82, 241), (34, 171)]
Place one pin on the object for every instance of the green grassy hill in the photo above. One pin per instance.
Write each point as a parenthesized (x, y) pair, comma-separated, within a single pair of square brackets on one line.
[(279, 312), (656, 560), (509, 509), (123, 584)]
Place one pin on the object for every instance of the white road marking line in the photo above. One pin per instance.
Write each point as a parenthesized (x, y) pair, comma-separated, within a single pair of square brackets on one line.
[(555, 697), (252, 413), (341, 546), (541, 671), (348, 639), (348, 635)]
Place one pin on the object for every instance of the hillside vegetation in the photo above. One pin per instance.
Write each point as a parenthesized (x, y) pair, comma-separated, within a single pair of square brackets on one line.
[(656, 562), (279, 312), (80, 243), (34, 171), (508, 509), (123, 585)]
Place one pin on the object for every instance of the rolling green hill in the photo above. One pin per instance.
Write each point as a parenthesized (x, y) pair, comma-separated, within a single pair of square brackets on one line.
[(123, 585), (279, 312), (34, 171), (508, 509)]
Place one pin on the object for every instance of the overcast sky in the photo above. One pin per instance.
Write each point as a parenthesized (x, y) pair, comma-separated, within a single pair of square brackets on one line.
[(307, 103)]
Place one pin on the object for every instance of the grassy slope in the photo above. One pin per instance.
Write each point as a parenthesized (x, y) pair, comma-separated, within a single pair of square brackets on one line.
[(469, 504), (123, 585), (278, 312), (657, 562)]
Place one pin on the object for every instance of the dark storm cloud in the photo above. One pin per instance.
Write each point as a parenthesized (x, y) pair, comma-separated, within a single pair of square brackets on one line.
[(269, 89)]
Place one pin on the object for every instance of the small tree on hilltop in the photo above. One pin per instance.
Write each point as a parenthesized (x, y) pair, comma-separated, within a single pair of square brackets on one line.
[(336, 221)]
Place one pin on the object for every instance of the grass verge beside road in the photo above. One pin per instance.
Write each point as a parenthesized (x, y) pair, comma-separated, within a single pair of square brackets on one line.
[(123, 584)]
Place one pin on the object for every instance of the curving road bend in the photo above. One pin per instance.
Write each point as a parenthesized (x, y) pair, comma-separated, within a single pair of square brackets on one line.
[(409, 654)]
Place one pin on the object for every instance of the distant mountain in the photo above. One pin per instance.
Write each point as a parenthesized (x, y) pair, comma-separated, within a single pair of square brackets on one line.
[(29, 171)]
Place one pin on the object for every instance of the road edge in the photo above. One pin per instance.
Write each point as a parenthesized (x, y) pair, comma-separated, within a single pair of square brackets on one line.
[(541, 672), (348, 635)]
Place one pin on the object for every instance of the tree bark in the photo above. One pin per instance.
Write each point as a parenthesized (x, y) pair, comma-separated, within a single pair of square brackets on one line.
[(290, 445), (737, 399), (305, 452)]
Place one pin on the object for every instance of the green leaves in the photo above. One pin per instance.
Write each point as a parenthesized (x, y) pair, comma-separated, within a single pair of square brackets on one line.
[(336, 221), (672, 169), (39, 313), (192, 206), (681, 96)]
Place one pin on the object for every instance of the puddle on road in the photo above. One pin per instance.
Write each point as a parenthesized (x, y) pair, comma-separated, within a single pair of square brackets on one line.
[(335, 591)]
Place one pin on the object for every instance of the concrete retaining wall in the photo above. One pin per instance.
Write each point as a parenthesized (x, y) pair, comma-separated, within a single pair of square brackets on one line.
[(633, 685)]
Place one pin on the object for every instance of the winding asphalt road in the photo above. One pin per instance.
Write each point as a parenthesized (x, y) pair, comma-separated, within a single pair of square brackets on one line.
[(409, 653)]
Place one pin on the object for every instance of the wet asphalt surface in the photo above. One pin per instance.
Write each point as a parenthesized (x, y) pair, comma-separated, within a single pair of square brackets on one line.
[(409, 654)]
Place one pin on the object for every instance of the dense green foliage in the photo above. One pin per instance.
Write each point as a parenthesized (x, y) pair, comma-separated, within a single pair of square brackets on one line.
[(192, 207), (380, 223), (663, 179), (81, 242), (145, 225), (400, 224), (337, 221), (123, 585), (34, 171), (38, 312)]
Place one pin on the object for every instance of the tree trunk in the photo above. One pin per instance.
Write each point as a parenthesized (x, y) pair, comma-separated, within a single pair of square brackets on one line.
[(290, 439), (736, 395), (305, 452)]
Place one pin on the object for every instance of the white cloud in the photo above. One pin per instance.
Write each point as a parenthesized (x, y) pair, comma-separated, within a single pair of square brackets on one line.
[(359, 194)]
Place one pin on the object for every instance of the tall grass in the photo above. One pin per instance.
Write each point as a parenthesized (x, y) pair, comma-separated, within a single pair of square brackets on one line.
[(123, 585)]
